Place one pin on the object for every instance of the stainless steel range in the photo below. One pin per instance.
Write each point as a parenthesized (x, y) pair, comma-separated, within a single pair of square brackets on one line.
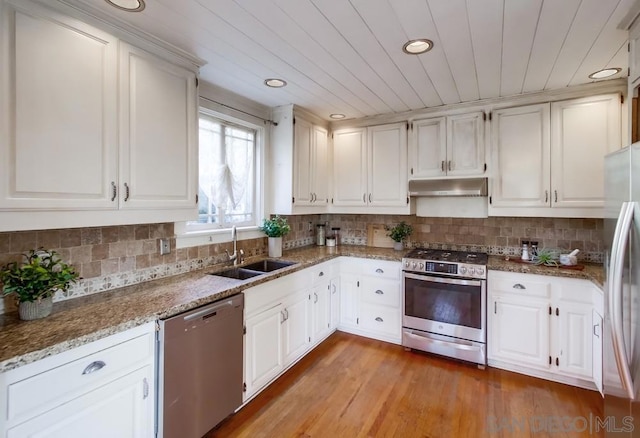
[(445, 303)]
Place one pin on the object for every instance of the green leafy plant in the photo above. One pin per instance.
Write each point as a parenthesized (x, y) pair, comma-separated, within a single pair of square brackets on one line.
[(547, 257), (39, 276), (276, 226), (399, 232)]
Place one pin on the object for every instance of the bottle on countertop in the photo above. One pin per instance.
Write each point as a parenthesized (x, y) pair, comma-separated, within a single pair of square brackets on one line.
[(525, 250), (534, 249), (320, 240), (336, 234)]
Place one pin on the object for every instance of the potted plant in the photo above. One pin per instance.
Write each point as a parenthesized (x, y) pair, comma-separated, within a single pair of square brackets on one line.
[(399, 233), (275, 228), (34, 282)]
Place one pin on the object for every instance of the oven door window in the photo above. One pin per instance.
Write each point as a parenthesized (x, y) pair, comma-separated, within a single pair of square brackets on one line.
[(455, 304)]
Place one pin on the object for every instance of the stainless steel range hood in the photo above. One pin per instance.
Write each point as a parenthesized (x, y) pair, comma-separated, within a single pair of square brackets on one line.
[(448, 187)]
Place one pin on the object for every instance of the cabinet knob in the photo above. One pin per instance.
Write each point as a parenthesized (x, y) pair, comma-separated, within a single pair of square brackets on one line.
[(94, 366), (379, 271), (126, 192), (518, 286), (114, 191), (379, 292), (379, 319)]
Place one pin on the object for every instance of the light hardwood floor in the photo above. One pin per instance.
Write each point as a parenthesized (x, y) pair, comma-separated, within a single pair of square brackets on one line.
[(350, 386)]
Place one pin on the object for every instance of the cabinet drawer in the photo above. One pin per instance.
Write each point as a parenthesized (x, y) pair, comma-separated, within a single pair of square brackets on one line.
[(383, 320), (381, 292), (51, 388), (382, 269), (531, 285)]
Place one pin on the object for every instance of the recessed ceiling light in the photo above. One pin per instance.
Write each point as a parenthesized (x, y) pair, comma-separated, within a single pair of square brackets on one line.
[(127, 5), (337, 116), (416, 47), (275, 83), (605, 73)]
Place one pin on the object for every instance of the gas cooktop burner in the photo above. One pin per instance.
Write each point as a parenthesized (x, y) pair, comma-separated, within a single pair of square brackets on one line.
[(448, 263)]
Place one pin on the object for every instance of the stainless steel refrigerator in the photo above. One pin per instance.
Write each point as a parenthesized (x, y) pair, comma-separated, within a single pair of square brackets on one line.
[(621, 350)]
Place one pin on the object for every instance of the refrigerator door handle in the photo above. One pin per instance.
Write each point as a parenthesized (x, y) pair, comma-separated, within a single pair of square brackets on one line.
[(616, 265)]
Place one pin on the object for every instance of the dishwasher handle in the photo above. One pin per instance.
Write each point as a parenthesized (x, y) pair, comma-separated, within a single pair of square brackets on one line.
[(208, 311)]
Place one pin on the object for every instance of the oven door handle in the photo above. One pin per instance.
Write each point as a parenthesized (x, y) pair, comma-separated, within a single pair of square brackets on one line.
[(457, 344), (443, 280)]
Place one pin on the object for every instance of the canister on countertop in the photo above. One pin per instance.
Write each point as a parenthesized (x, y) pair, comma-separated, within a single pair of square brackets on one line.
[(336, 233), (525, 250), (320, 240), (331, 240)]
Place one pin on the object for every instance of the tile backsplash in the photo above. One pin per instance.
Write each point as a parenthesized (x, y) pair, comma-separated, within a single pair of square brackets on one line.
[(112, 257)]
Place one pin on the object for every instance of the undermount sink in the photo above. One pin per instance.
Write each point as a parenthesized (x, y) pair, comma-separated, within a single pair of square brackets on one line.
[(238, 273), (268, 265)]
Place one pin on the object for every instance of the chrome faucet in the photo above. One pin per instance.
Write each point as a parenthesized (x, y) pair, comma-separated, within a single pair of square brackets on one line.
[(235, 257)]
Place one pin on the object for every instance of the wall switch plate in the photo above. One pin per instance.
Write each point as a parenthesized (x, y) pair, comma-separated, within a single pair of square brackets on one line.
[(165, 247)]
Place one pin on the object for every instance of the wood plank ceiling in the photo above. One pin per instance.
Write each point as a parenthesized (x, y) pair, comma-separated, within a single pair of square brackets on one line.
[(345, 56)]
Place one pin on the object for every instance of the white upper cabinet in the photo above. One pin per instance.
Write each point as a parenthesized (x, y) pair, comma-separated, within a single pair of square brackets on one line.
[(350, 167), (58, 148), (299, 164), (521, 150), (583, 131), (548, 158), (370, 169), (158, 132), (88, 138), (448, 146)]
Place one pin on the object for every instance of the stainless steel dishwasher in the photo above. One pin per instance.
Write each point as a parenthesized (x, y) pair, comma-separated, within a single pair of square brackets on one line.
[(200, 368)]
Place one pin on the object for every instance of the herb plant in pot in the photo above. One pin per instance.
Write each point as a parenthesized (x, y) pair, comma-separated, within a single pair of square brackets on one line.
[(399, 233), (34, 282), (275, 228)]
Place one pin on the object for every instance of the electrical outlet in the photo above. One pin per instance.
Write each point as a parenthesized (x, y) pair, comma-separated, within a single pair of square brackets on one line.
[(165, 247)]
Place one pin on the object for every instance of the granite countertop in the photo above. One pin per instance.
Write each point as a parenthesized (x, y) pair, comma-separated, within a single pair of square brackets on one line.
[(593, 272), (82, 320)]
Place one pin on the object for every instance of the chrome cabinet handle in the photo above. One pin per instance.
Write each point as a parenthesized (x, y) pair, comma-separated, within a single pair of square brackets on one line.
[(555, 196), (379, 271), (369, 198), (316, 298), (442, 165), (449, 164), (286, 312), (379, 319), (334, 288), (596, 330), (114, 191), (379, 292), (126, 192), (145, 388), (283, 317), (364, 198), (546, 196), (518, 286), (94, 366), (310, 197)]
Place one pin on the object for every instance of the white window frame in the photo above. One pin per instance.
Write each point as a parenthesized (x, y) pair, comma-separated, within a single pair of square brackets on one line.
[(186, 237)]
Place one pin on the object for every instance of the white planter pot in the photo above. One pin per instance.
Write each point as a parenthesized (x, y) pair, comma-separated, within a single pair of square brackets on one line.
[(398, 246), (275, 246), (29, 311)]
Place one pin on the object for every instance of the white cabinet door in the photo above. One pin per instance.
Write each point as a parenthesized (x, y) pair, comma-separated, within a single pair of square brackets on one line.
[(350, 167), (158, 131), (519, 330), (295, 328), (387, 169), (465, 144), (58, 137), (596, 323), (521, 156), (349, 299), (583, 131), (303, 136), (320, 310), (263, 348), (574, 355), (320, 167), (428, 148), (335, 302), (122, 408)]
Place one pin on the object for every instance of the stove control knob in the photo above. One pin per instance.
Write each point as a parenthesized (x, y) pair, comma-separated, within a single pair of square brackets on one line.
[(414, 265), (406, 264), (463, 270), (480, 271), (421, 266)]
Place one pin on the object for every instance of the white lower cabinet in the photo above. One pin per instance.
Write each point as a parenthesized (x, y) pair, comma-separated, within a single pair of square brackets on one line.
[(542, 326), (102, 389), (284, 319), (371, 299)]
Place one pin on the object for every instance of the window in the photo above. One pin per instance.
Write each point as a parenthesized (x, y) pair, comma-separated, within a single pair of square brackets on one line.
[(227, 174)]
